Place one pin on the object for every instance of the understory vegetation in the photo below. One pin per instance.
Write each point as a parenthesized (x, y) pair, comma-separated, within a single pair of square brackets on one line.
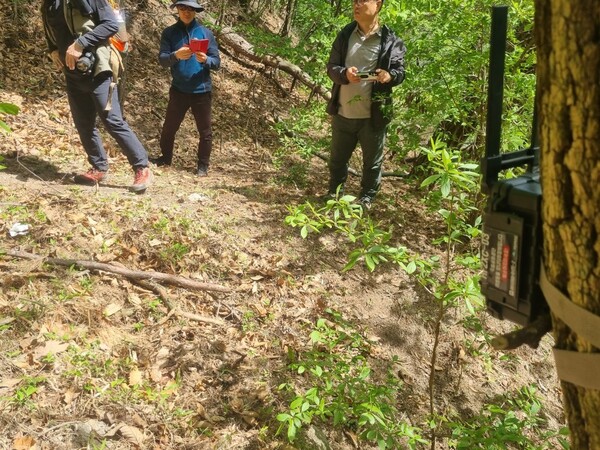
[(271, 355)]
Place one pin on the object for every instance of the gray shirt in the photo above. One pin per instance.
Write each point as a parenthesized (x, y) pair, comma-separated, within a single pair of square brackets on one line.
[(363, 52)]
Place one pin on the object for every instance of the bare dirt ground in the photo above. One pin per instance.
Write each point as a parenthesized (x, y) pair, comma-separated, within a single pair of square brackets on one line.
[(108, 364)]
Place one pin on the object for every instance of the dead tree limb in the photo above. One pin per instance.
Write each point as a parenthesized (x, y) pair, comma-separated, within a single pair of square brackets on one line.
[(174, 280), (239, 45), (174, 309)]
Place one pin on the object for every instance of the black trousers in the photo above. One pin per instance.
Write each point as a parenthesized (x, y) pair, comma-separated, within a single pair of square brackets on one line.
[(201, 106)]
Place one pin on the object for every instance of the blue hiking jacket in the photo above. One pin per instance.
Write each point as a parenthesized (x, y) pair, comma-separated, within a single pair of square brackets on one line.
[(189, 76)]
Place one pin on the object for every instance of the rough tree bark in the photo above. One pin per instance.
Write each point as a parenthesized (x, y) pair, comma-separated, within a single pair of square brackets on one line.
[(568, 42)]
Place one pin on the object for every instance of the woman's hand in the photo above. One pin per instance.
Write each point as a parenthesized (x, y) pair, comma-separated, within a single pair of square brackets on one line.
[(201, 57), (183, 53)]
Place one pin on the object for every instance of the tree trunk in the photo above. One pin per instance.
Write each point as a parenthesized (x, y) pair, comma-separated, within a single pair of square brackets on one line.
[(290, 9), (569, 105)]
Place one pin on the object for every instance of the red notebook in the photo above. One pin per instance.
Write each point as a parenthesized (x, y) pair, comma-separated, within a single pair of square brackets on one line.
[(199, 45)]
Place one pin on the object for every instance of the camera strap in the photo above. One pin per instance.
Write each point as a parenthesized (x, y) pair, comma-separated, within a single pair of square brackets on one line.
[(574, 367)]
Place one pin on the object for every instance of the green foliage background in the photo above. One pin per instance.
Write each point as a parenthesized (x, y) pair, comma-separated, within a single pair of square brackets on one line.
[(445, 92)]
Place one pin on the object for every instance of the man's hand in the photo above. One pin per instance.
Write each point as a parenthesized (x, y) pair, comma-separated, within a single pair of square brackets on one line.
[(73, 54), (183, 53), (56, 60), (383, 76), (351, 75)]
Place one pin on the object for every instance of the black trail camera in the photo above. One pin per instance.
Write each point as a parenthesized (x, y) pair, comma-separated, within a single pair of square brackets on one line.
[(511, 249)]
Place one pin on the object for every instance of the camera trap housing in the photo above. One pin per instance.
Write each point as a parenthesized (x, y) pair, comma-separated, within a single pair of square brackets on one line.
[(511, 249)]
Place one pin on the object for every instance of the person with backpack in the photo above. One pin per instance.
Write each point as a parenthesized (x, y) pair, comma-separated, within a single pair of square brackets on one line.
[(191, 85), (366, 61), (77, 33)]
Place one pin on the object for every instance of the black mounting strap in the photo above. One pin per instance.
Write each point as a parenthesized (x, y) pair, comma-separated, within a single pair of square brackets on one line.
[(574, 367)]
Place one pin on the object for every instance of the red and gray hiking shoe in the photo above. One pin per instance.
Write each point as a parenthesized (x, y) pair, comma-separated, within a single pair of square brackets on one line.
[(142, 180), (91, 177)]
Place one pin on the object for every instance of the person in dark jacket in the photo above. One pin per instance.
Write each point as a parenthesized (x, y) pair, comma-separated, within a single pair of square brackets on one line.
[(82, 28), (191, 86), (361, 104)]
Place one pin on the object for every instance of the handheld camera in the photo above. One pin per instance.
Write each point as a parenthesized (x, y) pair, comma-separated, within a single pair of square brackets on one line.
[(367, 76), (85, 63), (512, 230)]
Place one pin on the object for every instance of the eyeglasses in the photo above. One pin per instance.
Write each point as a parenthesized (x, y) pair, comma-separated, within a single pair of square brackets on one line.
[(186, 8)]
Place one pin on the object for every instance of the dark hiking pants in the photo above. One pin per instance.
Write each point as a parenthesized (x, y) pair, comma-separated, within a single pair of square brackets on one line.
[(87, 99), (179, 103), (346, 134)]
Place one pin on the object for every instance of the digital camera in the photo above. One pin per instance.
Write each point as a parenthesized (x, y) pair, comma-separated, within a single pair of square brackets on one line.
[(85, 63), (367, 76)]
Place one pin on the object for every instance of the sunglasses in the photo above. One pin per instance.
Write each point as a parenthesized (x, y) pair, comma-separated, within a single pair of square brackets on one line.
[(185, 8)]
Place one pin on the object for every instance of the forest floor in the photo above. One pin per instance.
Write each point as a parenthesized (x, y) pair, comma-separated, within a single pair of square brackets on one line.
[(93, 359)]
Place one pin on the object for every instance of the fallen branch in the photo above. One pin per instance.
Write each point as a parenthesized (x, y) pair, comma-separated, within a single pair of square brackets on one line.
[(174, 280), (239, 45), (173, 309)]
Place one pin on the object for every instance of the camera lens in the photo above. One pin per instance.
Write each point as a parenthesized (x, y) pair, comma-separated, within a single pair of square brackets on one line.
[(82, 65), (85, 63)]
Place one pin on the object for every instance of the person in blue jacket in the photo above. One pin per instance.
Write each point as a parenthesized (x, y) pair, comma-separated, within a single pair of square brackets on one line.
[(191, 86)]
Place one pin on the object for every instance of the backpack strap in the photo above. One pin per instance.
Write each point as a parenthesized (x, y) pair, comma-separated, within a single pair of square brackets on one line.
[(117, 67)]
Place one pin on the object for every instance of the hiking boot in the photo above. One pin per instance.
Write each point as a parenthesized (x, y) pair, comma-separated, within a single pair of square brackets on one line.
[(202, 170), (160, 161), (142, 180), (365, 202), (91, 177)]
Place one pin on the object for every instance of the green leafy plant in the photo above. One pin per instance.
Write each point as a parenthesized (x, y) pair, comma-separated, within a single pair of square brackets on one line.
[(7, 108), (343, 391), (343, 216), (25, 392), (175, 252), (511, 422), (449, 100)]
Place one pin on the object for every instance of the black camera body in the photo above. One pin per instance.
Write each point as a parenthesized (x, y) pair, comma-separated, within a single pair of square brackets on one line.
[(511, 249), (86, 62)]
